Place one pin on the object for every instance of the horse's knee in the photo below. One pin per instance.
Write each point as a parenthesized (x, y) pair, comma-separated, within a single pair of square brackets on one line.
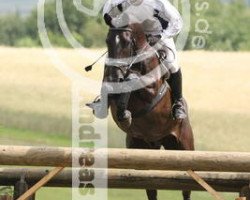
[(170, 142)]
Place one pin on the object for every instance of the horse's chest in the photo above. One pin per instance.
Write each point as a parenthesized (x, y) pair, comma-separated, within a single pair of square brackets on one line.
[(151, 128)]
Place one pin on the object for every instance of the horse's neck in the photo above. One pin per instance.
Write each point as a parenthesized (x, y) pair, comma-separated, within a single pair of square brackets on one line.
[(143, 47), (139, 36), (149, 64), (141, 44)]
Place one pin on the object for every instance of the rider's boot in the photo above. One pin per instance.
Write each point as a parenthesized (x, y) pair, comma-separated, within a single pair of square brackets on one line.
[(175, 82)]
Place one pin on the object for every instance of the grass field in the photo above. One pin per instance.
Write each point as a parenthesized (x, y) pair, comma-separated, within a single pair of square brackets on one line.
[(35, 104)]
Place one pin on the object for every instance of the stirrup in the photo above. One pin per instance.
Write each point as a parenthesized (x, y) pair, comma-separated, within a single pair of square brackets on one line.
[(95, 103)]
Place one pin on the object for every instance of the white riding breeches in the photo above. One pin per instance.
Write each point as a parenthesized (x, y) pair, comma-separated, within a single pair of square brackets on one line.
[(171, 61)]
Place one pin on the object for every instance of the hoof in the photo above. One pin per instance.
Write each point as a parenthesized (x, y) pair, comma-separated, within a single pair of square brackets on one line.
[(126, 120)]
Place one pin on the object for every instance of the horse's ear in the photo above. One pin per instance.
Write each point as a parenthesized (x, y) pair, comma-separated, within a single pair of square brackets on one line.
[(108, 20)]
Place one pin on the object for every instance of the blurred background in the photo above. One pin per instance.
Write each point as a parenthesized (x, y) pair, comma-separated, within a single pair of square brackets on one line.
[(35, 98)]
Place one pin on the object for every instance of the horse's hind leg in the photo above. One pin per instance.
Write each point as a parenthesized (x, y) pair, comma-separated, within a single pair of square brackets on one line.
[(152, 194), (187, 143), (135, 143), (186, 140), (186, 195)]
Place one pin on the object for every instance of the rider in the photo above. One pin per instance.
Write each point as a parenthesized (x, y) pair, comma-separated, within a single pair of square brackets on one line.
[(165, 24)]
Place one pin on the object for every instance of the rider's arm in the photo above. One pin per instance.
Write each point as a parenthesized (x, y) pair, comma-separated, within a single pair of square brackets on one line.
[(169, 13)]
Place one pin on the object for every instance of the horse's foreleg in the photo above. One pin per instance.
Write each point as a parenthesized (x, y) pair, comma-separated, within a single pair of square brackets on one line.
[(123, 115), (152, 194), (122, 104)]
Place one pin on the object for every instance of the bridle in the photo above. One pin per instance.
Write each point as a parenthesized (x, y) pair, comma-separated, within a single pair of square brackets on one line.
[(135, 55), (122, 62)]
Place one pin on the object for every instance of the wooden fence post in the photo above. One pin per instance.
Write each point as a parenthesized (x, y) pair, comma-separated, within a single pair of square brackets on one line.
[(31, 191), (21, 187), (204, 184), (5, 197)]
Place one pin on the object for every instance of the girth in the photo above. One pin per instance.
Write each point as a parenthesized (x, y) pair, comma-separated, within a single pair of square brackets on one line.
[(162, 91)]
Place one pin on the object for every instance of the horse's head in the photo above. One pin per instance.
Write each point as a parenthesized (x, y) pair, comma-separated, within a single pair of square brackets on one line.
[(124, 40), (120, 41)]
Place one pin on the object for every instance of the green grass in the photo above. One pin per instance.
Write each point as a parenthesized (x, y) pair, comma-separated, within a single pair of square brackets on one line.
[(44, 122), (221, 131), (24, 137), (114, 194), (162, 194), (65, 194), (53, 194)]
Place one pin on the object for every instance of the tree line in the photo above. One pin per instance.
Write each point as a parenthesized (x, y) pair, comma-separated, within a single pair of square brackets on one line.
[(214, 26)]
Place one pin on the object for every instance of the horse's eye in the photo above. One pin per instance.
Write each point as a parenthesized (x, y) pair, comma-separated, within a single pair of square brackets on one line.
[(117, 39)]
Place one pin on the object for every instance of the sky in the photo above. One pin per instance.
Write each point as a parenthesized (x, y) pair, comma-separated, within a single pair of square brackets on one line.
[(23, 6)]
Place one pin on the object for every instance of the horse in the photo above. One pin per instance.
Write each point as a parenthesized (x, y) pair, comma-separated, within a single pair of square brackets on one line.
[(152, 125)]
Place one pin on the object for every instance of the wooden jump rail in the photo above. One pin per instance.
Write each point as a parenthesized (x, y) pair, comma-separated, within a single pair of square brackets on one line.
[(127, 167), (127, 158), (133, 179)]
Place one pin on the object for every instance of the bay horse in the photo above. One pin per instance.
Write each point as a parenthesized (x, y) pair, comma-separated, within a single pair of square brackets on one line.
[(152, 125)]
